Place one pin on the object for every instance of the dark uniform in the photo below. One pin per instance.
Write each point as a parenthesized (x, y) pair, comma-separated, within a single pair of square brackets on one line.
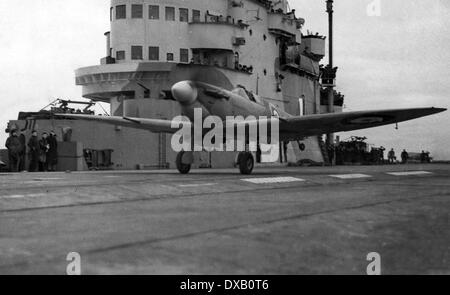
[(330, 151), (405, 157), (33, 145), (391, 156), (425, 157), (52, 154), (14, 150), (43, 149), (23, 142)]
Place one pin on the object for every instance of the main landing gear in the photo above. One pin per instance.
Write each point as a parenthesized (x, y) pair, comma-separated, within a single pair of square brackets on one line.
[(184, 162), (245, 162)]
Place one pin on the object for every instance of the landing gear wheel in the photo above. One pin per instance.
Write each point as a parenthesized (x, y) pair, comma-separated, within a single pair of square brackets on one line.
[(246, 163), (182, 168)]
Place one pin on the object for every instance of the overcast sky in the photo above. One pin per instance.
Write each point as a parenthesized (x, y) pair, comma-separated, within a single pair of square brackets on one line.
[(398, 59)]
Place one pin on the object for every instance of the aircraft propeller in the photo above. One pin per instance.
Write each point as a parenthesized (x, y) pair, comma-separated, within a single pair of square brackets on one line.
[(185, 92)]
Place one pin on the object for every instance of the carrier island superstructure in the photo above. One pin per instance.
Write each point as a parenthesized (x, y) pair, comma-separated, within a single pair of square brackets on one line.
[(152, 44)]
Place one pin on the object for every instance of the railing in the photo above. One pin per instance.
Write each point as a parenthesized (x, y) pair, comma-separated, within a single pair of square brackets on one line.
[(237, 67), (220, 19)]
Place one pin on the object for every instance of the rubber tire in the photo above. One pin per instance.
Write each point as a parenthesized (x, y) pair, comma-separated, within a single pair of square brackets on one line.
[(182, 168), (246, 163)]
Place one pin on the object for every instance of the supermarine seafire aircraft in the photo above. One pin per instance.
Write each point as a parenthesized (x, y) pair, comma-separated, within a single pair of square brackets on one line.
[(220, 102)]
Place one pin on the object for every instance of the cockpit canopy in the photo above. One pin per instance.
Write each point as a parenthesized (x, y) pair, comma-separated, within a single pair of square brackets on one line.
[(241, 91)]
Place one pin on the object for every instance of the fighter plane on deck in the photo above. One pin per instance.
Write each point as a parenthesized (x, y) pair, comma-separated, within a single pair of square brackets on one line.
[(220, 102)]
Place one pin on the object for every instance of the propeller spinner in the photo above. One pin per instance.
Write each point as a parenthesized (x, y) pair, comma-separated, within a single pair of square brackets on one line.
[(184, 92)]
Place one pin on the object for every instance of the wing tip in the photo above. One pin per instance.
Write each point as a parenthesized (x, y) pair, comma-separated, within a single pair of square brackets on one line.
[(438, 110)]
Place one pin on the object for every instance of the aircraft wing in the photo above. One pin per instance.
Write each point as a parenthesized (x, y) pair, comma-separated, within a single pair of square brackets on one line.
[(292, 128), (153, 125), (311, 125)]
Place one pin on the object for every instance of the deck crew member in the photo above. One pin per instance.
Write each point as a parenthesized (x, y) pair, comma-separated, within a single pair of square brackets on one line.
[(405, 157), (14, 150), (391, 156), (52, 154), (43, 149), (23, 143), (34, 151)]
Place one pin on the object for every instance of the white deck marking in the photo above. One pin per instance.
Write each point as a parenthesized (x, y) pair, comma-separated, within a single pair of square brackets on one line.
[(11, 197), (47, 179), (409, 173), (197, 185), (41, 180), (351, 176), (273, 180)]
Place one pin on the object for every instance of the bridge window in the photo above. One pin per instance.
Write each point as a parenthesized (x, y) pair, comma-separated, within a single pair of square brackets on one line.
[(170, 57), (121, 11), (136, 52), (196, 16), (120, 55), (170, 13), (111, 13), (153, 12), (184, 15), (184, 55), (153, 53), (137, 11)]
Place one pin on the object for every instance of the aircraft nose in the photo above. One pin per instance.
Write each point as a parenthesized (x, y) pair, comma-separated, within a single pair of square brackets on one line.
[(184, 92)]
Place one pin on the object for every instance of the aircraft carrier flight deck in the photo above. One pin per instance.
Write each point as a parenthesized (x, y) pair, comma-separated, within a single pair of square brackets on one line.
[(278, 221)]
